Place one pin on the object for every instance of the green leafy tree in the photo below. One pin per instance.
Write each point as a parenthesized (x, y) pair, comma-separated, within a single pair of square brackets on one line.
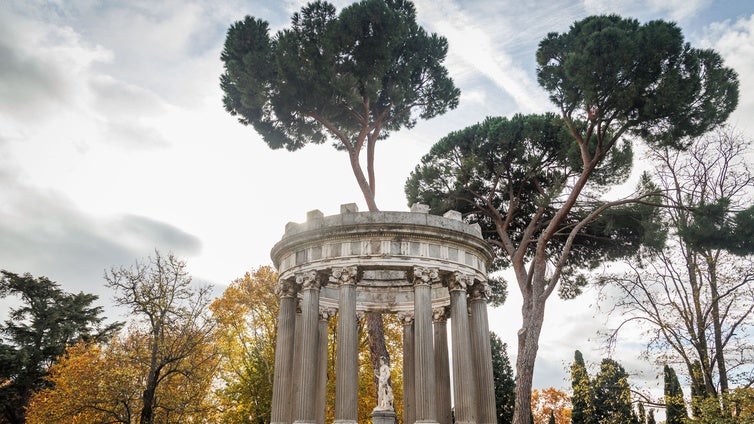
[(675, 407), (582, 399), (172, 314), (612, 394), (102, 383), (651, 417), (608, 77), (698, 391), (641, 414), (350, 78), (246, 316), (505, 383), (37, 333), (550, 401)]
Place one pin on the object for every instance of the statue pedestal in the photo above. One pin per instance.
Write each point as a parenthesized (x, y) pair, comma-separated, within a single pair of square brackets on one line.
[(383, 416)]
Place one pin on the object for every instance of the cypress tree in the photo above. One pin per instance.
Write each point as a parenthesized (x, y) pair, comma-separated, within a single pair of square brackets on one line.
[(641, 415), (698, 389), (583, 398), (612, 394), (505, 384), (675, 407)]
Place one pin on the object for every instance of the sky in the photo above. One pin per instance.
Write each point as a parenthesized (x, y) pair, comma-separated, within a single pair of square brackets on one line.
[(114, 141)]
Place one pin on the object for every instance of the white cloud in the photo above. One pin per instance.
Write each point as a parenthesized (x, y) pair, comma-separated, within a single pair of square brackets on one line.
[(472, 52), (734, 40), (44, 233), (676, 10), (42, 67)]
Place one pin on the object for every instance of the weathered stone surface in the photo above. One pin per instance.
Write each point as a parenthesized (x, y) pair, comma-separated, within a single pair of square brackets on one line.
[(420, 208), (464, 389), (383, 417), (387, 243), (349, 208), (281, 394), (314, 214), (442, 367), (453, 215)]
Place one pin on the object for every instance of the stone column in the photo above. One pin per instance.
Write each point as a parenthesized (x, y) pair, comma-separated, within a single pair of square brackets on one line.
[(282, 379), (324, 316), (347, 361), (463, 367), (409, 392), (442, 367), (424, 358), (482, 355), (296, 378), (310, 284)]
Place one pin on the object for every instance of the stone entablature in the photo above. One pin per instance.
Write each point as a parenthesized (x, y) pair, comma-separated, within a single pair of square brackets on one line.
[(385, 247)]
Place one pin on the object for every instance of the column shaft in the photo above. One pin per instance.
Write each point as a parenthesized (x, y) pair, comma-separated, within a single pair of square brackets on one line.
[(426, 411), (482, 353), (463, 371), (282, 384), (324, 315), (293, 411), (442, 367), (308, 346), (409, 395), (347, 373)]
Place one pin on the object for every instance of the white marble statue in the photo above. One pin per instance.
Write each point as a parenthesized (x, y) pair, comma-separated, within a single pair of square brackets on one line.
[(384, 392)]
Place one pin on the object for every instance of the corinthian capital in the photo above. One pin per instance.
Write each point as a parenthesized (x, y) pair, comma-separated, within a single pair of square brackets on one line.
[(425, 275), (440, 314), (480, 290), (460, 281), (326, 313), (308, 280), (285, 288), (344, 275), (407, 318)]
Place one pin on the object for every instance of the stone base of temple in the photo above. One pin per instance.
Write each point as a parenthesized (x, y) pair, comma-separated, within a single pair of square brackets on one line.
[(383, 417)]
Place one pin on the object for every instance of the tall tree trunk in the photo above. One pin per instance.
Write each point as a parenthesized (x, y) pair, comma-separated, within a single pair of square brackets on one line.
[(147, 398), (376, 330), (374, 322), (532, 314), (147, 409), (700, 322), (718, 333)]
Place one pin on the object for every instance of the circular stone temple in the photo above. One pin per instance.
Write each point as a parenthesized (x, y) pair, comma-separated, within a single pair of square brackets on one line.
[(425, 268)]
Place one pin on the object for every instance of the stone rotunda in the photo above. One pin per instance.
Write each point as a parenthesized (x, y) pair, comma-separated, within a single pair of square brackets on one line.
[(425, 268)]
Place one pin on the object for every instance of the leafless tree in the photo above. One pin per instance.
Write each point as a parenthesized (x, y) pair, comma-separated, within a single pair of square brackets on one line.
[(696, 301), (172, 312)]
